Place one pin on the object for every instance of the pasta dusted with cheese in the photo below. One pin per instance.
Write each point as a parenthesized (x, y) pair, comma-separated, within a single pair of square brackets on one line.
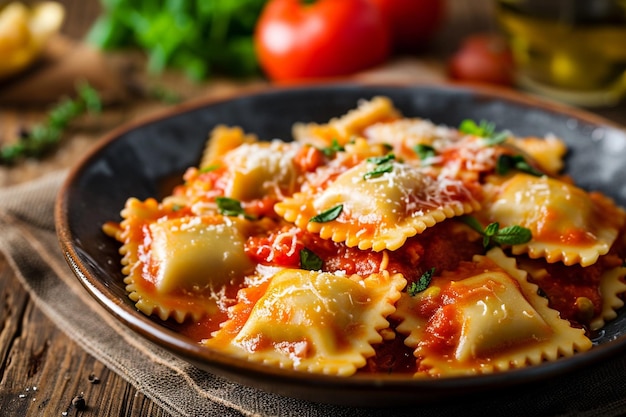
[(373, 238)]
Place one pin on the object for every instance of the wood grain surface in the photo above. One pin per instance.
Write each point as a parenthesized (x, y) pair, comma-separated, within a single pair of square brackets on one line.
[(42, 371)]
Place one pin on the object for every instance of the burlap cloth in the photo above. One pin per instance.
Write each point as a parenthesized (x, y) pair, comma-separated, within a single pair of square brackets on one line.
[(28, 240)]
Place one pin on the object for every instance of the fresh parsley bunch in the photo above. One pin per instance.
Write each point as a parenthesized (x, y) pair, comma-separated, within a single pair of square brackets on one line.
[(199, 37)]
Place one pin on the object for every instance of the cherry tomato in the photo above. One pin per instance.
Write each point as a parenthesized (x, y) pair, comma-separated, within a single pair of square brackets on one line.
[(484, 58), (325, 38), (412, 22)]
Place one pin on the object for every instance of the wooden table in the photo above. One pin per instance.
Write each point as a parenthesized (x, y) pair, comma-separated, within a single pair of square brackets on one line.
[(42, 369)]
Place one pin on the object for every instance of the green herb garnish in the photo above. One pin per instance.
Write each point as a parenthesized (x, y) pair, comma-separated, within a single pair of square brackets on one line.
[(333, 148), (383, 164), (310, 261), (378, 171), (328, 215), (485, 130), (43, 137), (209, 168), (230, 207), (421, 284), (424, 151), (506, 163), (493, 235)]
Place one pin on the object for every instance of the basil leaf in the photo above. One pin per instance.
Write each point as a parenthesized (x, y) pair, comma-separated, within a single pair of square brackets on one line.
[(230, 207), (332, 149), (512, 235), (310, 261), (424, 151), (423, 283), (209, 168), (379, 160), (496, 138), (328, 215), (492, 234), (491, 229), (505, 163), (378, 171), (484, 129)]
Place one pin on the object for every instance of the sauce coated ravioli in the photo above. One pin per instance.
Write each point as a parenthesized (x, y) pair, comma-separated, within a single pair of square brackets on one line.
[(379, 243)]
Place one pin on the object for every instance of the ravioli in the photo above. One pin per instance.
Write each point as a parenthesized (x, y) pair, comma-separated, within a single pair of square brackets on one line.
[(379, 211), (179, 267), (485, 317), (314, 321), (567, 223), (255, 170)]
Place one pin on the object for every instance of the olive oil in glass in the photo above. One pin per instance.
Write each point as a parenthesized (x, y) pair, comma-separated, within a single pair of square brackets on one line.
[(570, 50)]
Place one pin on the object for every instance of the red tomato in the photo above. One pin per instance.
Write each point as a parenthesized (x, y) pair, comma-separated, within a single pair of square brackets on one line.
[(483, 58), (327, 38), (412, 22)]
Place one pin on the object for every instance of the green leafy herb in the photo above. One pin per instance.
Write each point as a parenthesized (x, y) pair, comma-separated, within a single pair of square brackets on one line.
[(209, 168), (493, 235), (379, 160), (424, 151), (421, 284), (230, 207), (43, 137), (506, 163), (328, 215), (383, 164), (378, 171), (310, 261), (333, 148), (485, 130), (200, 38)]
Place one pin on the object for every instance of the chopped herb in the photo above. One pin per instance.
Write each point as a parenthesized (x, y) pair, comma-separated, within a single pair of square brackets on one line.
[(209, 168), (497, 138), (485, 130), (310, 261), (379, 160), (383, 164), (424, 151), (333, 148), (231, 207), (423, 283), (328, 215), (378, 171), (177, 207), (506, 163), (493, 235)]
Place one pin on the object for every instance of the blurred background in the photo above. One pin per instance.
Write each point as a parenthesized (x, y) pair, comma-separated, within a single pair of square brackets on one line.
[(140, 56)]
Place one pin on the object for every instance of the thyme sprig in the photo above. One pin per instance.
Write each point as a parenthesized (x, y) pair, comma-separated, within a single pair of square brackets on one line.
[(43, 137)]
